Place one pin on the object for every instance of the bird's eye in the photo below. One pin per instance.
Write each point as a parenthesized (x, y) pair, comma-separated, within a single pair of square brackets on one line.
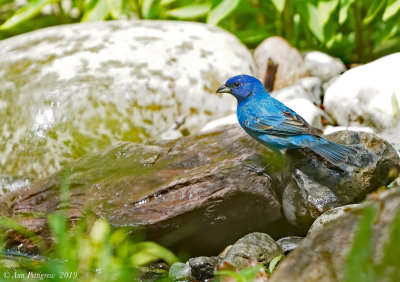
[(236, 84)]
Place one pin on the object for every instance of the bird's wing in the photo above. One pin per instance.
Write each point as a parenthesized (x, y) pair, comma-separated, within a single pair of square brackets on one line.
[(283, 122)]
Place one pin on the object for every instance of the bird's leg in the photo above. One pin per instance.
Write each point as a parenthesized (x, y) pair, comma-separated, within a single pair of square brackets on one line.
[(259, 170)]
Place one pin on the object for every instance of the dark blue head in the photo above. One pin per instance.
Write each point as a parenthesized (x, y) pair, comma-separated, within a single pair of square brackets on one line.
[(242, 87)]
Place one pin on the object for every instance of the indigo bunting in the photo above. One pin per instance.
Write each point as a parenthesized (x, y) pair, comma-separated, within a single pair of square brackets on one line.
[(273, 124)]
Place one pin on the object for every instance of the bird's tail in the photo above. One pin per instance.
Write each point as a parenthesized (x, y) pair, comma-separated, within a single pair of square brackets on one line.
[(334, 153)]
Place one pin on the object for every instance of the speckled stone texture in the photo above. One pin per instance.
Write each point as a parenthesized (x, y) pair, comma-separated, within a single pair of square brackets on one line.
[(73, 89)]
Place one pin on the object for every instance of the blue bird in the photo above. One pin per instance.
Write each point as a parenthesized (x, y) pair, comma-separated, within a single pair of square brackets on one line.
[(273, 124)]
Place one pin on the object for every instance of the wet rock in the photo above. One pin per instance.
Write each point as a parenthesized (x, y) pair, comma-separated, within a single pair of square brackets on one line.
[(323, 255), (290, 63), (322, 65), (374, 88), (73, 89), (290, 243), (203, 267), (317, 186), (180, 272), (11, 183), (222, 182), (259, 246), (194, 194)]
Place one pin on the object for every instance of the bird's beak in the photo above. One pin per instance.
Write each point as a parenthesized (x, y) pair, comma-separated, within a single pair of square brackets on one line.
[(224, 89)]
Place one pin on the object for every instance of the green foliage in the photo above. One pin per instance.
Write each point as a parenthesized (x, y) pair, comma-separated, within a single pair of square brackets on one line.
[(361, 265), (359, 260), (89, 251), (356, 31), (273, 264)]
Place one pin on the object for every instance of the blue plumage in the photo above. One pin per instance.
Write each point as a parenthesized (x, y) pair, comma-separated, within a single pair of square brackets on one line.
[(273, 124)]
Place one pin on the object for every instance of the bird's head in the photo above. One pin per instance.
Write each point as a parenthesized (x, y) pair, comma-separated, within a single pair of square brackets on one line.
[(242, 87)]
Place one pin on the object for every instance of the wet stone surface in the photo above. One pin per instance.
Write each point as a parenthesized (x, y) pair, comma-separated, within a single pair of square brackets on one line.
[(200, 193), (189, 193)]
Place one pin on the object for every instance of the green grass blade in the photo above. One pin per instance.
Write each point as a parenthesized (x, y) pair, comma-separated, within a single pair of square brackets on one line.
[(391, 10), (221, 11), (150, 251), (189, 12), (97, 13), (359, 265), (389, 268), (7, 222), (273, 263), (28, 11), (279, 5)]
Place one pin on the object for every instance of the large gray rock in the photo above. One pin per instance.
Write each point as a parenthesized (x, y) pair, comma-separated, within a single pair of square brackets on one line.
[(367, 95), (73, 89), (324, 255), (317, 186)]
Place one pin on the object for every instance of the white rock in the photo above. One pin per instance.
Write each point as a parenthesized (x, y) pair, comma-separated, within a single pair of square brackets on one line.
[(392, 135), (313, 86), (331, 215), (367, 95), (331, 129), (322, 65), (308, 88), (289, 93), (171, 135), (231, 119)]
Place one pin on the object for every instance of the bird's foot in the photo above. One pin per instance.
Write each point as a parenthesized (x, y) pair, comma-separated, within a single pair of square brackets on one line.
[(259, 170)]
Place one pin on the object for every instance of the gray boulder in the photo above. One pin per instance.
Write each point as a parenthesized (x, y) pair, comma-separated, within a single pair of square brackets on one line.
[(317, 186), (341, 252), (73, 89)]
